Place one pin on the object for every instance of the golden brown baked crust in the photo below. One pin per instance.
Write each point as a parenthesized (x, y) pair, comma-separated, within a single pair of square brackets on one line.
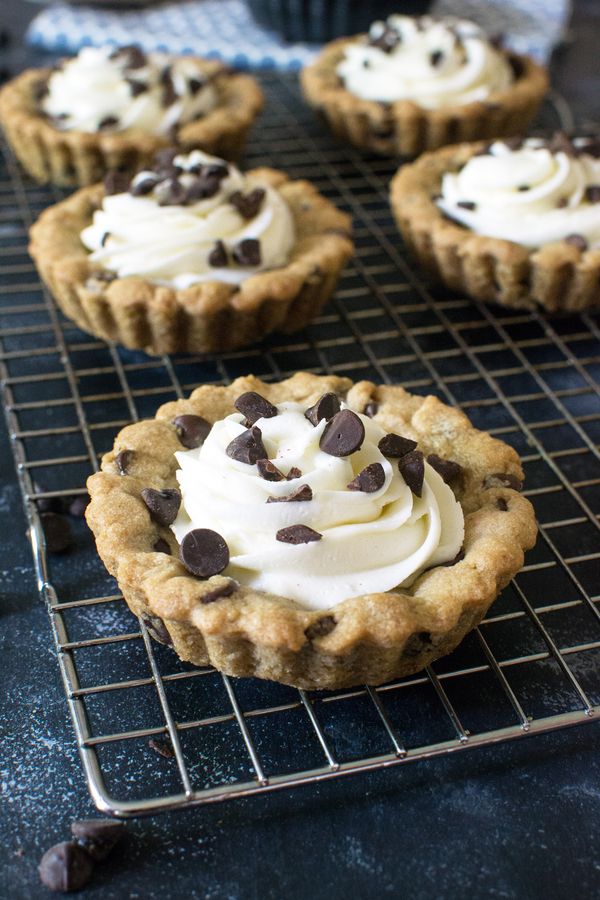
[(559, 277), (372, 638), (208, 317), (77, 158), (404, 128)]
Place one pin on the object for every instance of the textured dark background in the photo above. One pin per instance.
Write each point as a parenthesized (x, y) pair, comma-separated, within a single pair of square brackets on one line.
[(512, 821)]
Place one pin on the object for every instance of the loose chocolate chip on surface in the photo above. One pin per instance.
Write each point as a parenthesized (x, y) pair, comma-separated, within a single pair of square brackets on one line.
[(65, 867), (371, 409), (157, 629), (107, 122), (248, 205), (161, 546), (294, 473), (320, 628), (502, 479), (143, 186), (395, 446), (577, 240), (162, 505), (466, 204), (217, 258), (268, 471), (298, 534), (57, 532), (302, 493), (123, 461), (254, 407), (116, 182), (192, 431), (326, 407), (136, 87), (592, 193), (195, 85), (412, 469), (247, 252), (76, 506), (343, 435), (204, 552), (501, 504), (163, 748), (436, 57), (447, 468), (247, 447), (224, 590), (371, 479), (97, 836)]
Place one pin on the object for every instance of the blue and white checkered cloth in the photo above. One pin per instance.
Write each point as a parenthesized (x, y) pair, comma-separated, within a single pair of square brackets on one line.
[(224, 29)]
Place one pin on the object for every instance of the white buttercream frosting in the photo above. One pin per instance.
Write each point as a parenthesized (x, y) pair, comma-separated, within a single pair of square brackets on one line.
[(433, 62), (531, 195), (371, 542), (171, 244), (99, 90)]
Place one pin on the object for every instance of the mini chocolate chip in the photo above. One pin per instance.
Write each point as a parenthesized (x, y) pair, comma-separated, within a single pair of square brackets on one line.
[(248, 205), (254, 407), (116, 182), (447, 468), (371, 409), (223, 590), (320, 628), (268, 471), (466, 204), (169, 94), (502, 479), (163, 748), (123, 461), (57, 532), (161, 546), (343, 435), (298, 534), (107, 122), (247, 252), (76, 506), (371, 479), (302, 493), (217, 258), (436, 57), (162, 505), (524, 187), (97, 836), (577, 240), (247, 447), (412, 469), (157, 629), (65, 867), (294, 473), (144, 186), (104, 238), (204, 552), (192, 431), (501, 504), (326, 407), (195, 85), (395, 446), (592, 193), (136, 87), (133, 57)]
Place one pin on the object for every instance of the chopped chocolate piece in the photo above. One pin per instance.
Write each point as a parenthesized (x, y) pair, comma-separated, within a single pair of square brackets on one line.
[(104, 238), (247, 447), (204, 552), (157, 629), (248, 205), (513, 143), (97, 836), (502, 479), (395, 446), (466, 204), (302, 493), (133, 57), (143, 186), (195, 85), (76, 506), (501, 504), (116, 182), (161, 546), (293, 474), (371, 479), (343, 435), (577, 240), (592, 193), (247, 252), (223, 590), (412, 469), (107, 122), (320, 628), (447, 468), (65, 867), (217, 258), (204, 186), (192, 431), (163, 748), (162, 505), (136, 87), (171, 193), (123, 461), (169, 94), (254, 407), (268, 471), (57, 532), (326, 407), (371, 409), (298, 534), (436, 57)]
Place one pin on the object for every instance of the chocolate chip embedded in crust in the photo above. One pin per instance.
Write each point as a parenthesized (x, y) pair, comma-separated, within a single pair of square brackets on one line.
[(298, 534), (371, 409), (161, 546), (247, 447), (97, 836), (157, 629), (116, 182), (577, 240), (447, 468), (57, 532), (248, 205), (162, 505), (192, 431), (204, 552), (247, 252), (65, 867), (326, 407), (501, 504), (371, 479), (592, 193), (412, 469), (502, 479), (254, 407), (294, 472), (343, 435), (395, 446), (217, 258), (320, 628), (302, 493), (224, 590), (268, 471), (123, 461)]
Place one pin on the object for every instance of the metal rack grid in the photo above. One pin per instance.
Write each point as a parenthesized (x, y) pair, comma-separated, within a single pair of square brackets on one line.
[(532, 664)]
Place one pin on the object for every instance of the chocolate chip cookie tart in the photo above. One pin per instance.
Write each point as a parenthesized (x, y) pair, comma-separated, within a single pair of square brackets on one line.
[(515, 222), (313, 531), (191, 255), (415, 84), (113, 108)]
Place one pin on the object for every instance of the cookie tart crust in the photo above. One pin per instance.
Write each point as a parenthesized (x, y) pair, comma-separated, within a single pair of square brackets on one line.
[(212, 618), (72, 158), (561, 275), (215, 313)]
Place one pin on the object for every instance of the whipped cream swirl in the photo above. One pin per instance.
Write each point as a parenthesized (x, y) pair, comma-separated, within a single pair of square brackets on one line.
[(433, 62), (196, 219), (103, 89), (531, 192), (371, 542)]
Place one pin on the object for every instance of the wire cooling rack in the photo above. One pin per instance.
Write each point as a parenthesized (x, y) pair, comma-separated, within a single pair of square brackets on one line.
[(531, 666)]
